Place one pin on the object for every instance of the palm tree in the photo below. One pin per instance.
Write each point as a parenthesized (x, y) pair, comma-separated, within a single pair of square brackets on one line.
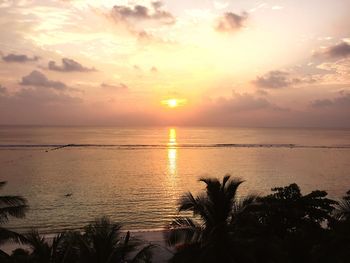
[(42, 251), (11, 206), (103, 242), (61, 249), (209, 235)]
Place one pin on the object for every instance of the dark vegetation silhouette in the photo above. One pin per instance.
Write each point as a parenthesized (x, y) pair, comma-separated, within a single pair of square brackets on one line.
[(101, 242), (284, 226), (210, 235), (10, 206), (217, 225)]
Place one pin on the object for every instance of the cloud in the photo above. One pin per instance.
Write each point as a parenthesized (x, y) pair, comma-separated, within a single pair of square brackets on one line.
[(19, 58), (277, 79), (339, 102), (115, 87), (145, 37), (241, 109), (340, 50), (3, 90), (38, 79), (122, 13), (335, 71), (273, 80), (244, 102), (33, 105), (45, 96), (262, 92), (231, 22), (142, 21), (69, 65)]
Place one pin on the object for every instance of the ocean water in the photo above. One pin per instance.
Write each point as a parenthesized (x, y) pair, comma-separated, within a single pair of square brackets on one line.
[(137, 175)]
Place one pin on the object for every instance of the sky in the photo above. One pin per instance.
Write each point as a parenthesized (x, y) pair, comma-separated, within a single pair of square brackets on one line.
[(273, 63)]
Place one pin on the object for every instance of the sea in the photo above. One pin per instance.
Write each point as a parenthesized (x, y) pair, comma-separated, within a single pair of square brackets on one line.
[(136, 176)]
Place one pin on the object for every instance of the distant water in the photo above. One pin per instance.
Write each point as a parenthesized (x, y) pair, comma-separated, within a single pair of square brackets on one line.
[(136, 175)]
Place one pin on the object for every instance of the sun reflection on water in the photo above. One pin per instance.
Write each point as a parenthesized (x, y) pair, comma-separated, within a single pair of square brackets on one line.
[(172, 152)]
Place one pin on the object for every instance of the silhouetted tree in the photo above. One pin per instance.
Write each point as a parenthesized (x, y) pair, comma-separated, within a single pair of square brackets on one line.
[(63, 248), (102, 242), (295, 220), (10, 206), (208, 236), (336, 248)]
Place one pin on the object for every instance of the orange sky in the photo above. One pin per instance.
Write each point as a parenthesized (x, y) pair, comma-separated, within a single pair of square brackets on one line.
[(228, 63)]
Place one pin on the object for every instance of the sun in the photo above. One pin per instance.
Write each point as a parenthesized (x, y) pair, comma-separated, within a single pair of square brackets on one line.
[(173, 103)]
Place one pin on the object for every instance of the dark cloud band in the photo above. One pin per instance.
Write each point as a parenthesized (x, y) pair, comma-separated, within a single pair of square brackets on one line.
[(38, 79), (19, 58), (140, 12), (69, 65)]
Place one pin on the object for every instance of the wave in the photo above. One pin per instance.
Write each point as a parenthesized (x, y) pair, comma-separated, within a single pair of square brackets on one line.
[(53, 147)]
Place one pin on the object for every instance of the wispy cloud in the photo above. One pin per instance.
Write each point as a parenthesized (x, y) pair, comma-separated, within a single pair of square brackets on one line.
[(69, 65), (3, 90), (38, 79), (339, 102), (277, 79), (19, 58), (122, 13), (231, 22), (115, 87), (339, 50)]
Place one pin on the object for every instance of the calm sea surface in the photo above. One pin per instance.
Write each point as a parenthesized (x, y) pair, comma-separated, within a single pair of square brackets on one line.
[(136, 176)]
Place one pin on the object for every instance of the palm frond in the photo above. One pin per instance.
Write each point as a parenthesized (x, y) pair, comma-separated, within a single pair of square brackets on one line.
[(144, 255), (213, 188), (15, 211), (343, 209), (34, 240), (232, 187), (199, 206), (12, 200), (8, 235), (4, 255), (183, 230), (225, 180), (242, 204), (56, 243)]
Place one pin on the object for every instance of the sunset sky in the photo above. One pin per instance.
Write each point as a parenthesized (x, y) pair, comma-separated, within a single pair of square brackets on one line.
[(220, 63)]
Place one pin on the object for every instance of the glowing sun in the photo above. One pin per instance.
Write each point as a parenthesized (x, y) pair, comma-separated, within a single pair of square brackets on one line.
[(173, 103)]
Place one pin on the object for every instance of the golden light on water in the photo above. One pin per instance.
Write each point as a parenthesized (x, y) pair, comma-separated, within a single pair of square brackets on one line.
[(172, 137), (172, 152)]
